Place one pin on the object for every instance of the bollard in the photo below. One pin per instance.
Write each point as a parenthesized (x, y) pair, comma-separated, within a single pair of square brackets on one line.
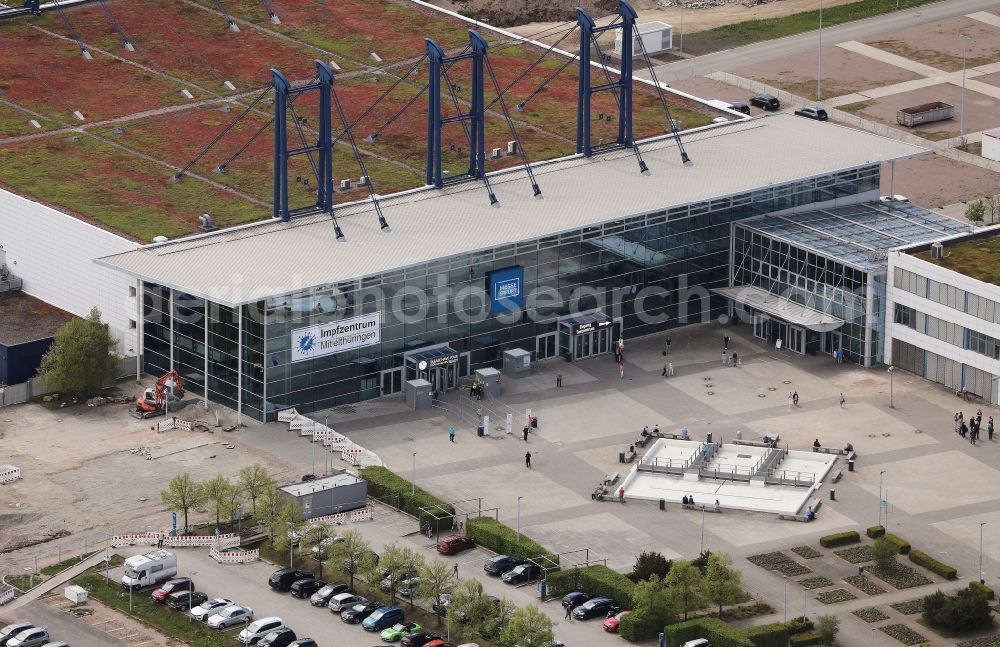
[(850, 465), (621, 457), (833, 495), (663, 504)]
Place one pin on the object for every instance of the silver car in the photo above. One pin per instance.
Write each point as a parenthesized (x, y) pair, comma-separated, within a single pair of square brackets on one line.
[(34, 637), (344, 601), (231, 616), (209, 608)]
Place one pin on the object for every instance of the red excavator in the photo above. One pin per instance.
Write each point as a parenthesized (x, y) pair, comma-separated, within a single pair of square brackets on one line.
[(152, 401)]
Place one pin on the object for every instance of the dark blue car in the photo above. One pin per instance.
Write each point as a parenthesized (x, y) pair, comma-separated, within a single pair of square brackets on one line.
[(575, 599)]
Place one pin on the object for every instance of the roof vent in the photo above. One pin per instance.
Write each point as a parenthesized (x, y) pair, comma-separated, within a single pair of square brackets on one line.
[(937, 250), (160, 239), (205, 223)]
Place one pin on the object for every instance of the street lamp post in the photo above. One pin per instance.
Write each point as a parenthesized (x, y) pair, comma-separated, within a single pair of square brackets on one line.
[(961, 111), (982, 574), (702, 530), (413, 476), (326, 454), (819, 56), (786, 599), (892, 369), (682, 27), (518, 533), (878, 522), (191, 575)]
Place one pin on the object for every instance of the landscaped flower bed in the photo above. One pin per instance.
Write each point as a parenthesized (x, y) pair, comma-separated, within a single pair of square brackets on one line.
[(871, 614), (903, 634), (899, 576), (864, 584), (835, 596), (806, 552), (855, 554), (778, 561), (909, 607), (816, 582), (989, 641)]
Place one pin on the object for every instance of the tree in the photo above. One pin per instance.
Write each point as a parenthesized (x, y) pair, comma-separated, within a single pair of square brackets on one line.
[(413, 562), (277, 513), (527, 626), (81, 360), (827, 628), (992, 207), (652, 601), (217, 492), (500, 614), (393, 564), (232, 503), (685, 584), (182, 494), (351, 554), (975, 212), (884, 553), (966, 610), (436, 580), (650, 563), (723, 583), (319, 539), (701, 561), (470, 607), (255, 481)]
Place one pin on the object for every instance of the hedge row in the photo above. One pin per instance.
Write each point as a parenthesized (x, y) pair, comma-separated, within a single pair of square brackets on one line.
[(638, 626), (898, 542), (875, 531), (772, 635), (493, 535), (809, 638), (982, 589), (800, 625), (921, 558), (394, 490), (718, 633), (840, 539), (595, 580)]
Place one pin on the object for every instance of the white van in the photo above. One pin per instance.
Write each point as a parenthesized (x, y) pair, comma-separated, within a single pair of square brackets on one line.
[(149, 569)]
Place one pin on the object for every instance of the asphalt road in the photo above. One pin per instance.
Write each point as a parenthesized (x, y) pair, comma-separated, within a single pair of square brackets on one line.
[(859, 30), (63, 626)]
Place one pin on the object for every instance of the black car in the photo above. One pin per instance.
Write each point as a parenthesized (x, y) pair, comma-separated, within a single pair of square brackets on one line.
[(304, 642), (500, 564), (184, 600), (282, 580), (356, 614), (594, 608), (765, 102), (306, 586), (812, 112), (281, 637), (322, 596), (521, 573), (739, 106), (419, 639), (575, 599)]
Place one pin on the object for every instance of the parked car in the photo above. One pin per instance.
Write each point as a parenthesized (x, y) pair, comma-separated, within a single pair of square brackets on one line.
[(575, 599), (399, 631), (419, 639), (697, 642), (812, 112), (453, 544), (739, 106), (281, 637), (521, 573), (171, 586), (209, 608), (765, 102), (407, 586), (441, 606), (611, 624), (230, 617), (894, 198), (304, 642), (359, 612), (343, 601), (256, 630), (305, 587), (34, 637), (386, 582), (382, 618), (184, 600), (500, 564), (11, 630), (438, 642), (594, 607), (283, 579), (56, 643), (324, 595)]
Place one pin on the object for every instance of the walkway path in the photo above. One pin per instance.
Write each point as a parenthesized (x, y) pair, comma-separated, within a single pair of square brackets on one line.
[(52, 583)]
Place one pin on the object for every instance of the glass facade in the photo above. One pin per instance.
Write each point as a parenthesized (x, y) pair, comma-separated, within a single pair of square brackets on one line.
[(647, 273)]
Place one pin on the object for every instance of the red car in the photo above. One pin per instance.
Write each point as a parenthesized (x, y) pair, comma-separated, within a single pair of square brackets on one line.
[(454, 544), (611, 624), (173, 586), (439, 643)]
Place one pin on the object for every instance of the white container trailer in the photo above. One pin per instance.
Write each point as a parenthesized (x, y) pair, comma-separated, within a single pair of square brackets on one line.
[(991, 144), (656, 37), (149, 569)]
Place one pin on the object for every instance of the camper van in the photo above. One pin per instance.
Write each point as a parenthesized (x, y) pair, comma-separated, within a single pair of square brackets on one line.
[(149, 569)]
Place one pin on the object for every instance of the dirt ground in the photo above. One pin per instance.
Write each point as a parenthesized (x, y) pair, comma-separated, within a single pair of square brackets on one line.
[(981, 112), (844, 72), (938, 44), (934, 181), (992, 79)]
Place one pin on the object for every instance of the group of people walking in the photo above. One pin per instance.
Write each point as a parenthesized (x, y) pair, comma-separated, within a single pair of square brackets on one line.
[(972, 426)]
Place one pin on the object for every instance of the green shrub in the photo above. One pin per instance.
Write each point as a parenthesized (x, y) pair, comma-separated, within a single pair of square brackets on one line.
[(875, 531), (718, 633), (840, 539), (595, 580), (393, 489), (965, 610), (982, 589), (899, 542), (772, 635), (810, 638), (800, 625), (638, 626), (493, 535), (921, 558)]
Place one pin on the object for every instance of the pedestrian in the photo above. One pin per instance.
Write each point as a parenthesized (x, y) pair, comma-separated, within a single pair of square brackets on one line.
[(670, 369), (725, 358), (733, 359), (461, 526), (791, 401), (451, 434), (725, 342), (956, 422), (527, 459), (795, 398), (621, 370), (666, 351), (454, 570), (525, 431), (972, 436), (979, 417), (569, 613), (841, 400), (621, 494), (989, 428), (777, 344), (963, 429), (559, 380), (664, 373)]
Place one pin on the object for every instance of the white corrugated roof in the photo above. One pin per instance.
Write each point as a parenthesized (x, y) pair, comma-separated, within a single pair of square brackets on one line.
[(271, 258)]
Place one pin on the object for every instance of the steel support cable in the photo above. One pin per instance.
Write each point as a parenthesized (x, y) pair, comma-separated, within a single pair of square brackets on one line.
[(534, 64), (513, 131), (392, 87), (193, 51), (126, 41), (225, 131), (659, 93), (524, 40), (71, 28), (229, 160), (614, 93), (520, 105), (302, 137), (468, 135), (357, 156)]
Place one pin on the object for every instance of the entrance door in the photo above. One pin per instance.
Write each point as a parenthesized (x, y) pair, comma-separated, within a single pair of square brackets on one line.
[(603, 338), (392, 381), (545, 346), (796, 339)]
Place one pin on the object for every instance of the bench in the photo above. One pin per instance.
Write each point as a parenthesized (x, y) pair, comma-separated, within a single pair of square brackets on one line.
[(641, 441), (838, 475), (629, 457), (833, 450), (852, 456), (698, 506), (814, 504), (611, 479)]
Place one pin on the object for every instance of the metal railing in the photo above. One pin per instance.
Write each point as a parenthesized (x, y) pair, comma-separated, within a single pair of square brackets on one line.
[(664, 465), (790, 477)]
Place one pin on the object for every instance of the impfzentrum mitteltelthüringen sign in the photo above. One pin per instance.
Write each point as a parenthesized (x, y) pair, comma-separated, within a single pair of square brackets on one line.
[(336, 336)]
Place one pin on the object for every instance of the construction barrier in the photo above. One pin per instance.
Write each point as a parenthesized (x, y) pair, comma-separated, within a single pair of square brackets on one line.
[(352, 455), (174, 423), (303, 425), (233, 556), (9, 473), (287, 415), (227, 540), (7, 595), (140, 539), (363, 514), (337, 518)]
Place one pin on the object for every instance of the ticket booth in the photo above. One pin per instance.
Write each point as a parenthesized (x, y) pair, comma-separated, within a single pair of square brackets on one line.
[(584, 335)]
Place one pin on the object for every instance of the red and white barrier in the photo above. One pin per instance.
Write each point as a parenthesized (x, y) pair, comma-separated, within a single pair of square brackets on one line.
[(234, 556), (224, 541), (7, 595), (337, 518), (135, 539), (352, 455), (362, 514), (9, 473), (174, 423), (287, 415)]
